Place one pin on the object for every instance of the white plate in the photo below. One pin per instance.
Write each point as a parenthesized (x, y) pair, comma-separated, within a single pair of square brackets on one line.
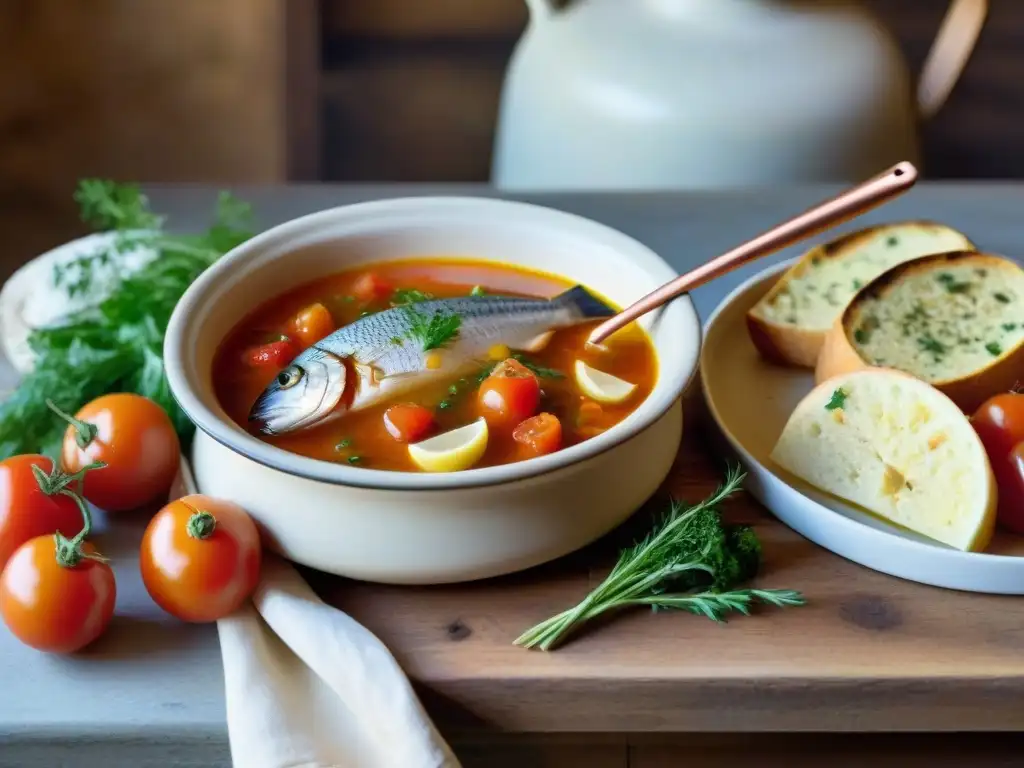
[(751, 399)]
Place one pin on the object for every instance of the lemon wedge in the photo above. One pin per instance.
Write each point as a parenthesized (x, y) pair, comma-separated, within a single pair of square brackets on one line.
[(602, 386), (451, 451)]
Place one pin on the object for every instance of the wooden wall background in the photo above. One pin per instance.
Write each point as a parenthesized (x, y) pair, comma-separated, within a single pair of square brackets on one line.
[(336, 90)]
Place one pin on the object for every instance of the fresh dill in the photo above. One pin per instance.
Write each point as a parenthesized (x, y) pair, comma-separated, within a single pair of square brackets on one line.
[(691, 561), (116, 343), (435, 331), (404, 296)]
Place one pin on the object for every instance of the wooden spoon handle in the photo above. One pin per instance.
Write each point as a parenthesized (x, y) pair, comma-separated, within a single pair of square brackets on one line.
[(851, 203)]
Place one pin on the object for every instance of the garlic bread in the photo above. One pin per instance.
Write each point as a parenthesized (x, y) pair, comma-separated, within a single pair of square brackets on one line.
[(954, 320), (788, 325), (900, 449)]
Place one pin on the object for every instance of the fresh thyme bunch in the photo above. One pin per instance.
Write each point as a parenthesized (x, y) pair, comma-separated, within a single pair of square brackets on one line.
[(690, 562)]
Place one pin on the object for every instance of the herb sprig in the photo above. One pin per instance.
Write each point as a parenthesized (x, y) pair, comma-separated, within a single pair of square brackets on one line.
[(690, 562), (116, 344), (433, 332)]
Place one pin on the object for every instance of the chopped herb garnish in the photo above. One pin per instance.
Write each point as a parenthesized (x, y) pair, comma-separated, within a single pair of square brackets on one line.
[(478, 290), (453, 389), (994, 349), (538, 370), (403, 296), (861, 336), (396, 340), (1002, 298), (930, 344), (354, 459), (815, 260), (892, 242), (857, 285), (1009, 326), (343, 444), (435, 332), (838, 400), (952, 284), (445, 405), (945, 277), (365, 312)]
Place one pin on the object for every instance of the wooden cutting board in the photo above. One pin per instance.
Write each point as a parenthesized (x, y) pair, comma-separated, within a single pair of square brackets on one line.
[(867, 653)]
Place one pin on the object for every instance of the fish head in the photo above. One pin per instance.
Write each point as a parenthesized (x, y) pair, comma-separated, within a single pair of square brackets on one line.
[(302, 395)]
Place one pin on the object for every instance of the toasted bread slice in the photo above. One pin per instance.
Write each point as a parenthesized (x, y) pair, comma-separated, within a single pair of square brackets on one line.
[(788, 325), (898, 448), (953, 320)]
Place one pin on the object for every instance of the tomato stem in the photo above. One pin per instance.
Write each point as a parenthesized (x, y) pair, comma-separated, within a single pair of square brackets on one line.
[(69, 551), (201, 525), (85, 432)]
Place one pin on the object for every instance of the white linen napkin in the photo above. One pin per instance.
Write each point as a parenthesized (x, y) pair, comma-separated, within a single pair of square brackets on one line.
[(309, 687)]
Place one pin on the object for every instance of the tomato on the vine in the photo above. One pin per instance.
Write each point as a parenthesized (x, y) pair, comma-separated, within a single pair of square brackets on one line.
[(509, 395), (136, 440), (200, 558), (57, 594), (26, 511)]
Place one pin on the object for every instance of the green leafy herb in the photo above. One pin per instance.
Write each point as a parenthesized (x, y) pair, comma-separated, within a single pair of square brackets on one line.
[(1009, 326), (404, 296), (892, 242), (929, 343), (838, 400), (355, 459), (1002, 298), (952, 284), (116, 345), (433, 332), (397, 341), (343, 444), (478, 290), (538, 370), (993, 349), (857, 285), (445, 404), (861, 336), (691, 561)]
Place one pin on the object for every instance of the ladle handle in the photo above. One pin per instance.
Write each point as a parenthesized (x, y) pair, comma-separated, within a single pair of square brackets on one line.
[(847, 205)]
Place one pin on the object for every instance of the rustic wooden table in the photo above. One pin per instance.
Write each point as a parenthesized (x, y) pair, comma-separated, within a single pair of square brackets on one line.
[(873, 668)]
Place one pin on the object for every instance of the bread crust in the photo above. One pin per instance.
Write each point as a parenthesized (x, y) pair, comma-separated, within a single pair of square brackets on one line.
[(839, 354), (791, 345)]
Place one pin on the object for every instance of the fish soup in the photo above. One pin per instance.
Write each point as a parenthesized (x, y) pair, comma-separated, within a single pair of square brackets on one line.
[(431, 365)]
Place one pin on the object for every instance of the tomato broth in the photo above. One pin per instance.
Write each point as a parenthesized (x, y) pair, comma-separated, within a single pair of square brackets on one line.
[(264, 342)]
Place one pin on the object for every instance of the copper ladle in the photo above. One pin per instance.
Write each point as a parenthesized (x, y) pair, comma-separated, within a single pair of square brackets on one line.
[(845, 206)]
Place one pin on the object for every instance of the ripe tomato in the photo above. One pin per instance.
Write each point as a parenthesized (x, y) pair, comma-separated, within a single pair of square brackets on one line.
[(54, 607), (509, 395), (136, 440), (369, 288), (311, 324), (539, 435), (200, 558), (999, 423), (408, 422), (275, 354), (25, 510)]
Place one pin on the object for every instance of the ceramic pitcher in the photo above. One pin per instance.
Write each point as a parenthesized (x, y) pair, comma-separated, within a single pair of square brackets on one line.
[(663, 94)]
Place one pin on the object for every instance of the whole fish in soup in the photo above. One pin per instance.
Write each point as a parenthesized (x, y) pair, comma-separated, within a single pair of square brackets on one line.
[(431, 365)]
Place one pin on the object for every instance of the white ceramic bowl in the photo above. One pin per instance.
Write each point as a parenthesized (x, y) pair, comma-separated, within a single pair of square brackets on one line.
[(415, 528)]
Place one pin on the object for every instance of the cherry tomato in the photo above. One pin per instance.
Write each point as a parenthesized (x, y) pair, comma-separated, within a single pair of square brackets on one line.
[(276, 354), (539, 435), (136, 440), (369, 288), (25, 510), (999, 422), (311, 324), (408, 422), (200, 558), (509, 395), (53, 607)]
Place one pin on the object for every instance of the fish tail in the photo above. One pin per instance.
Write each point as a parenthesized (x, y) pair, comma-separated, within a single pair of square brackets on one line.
[(580, 300)]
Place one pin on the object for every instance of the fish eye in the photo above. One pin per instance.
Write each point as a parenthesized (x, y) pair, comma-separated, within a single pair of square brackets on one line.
[(289, 377)]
